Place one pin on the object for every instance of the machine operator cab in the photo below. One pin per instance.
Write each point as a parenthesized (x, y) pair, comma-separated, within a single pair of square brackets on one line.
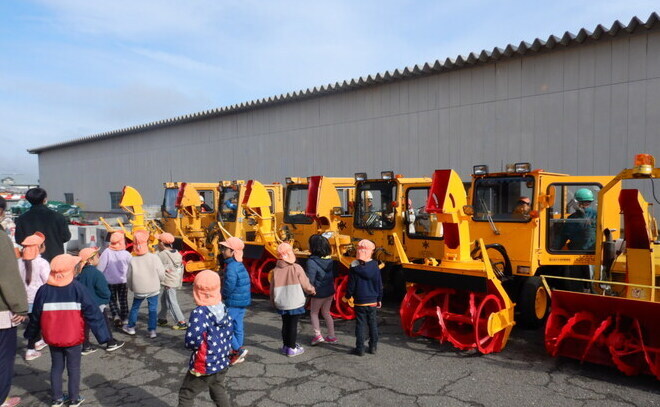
[(396, 204), (540, 218), (172, 216)]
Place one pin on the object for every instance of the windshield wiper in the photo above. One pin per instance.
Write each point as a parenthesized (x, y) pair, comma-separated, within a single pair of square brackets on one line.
[(489, 217)]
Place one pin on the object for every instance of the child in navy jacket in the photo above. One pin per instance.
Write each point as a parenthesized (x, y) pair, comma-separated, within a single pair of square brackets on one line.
[(209, 336), (365, 286), (62, 307)]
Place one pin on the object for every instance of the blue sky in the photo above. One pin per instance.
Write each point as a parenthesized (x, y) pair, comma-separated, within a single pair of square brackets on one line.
[(73, 68)]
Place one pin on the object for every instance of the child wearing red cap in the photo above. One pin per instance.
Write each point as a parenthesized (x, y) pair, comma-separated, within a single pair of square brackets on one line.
[(62, 307), (34, 271), (209, 337), (173, 263)]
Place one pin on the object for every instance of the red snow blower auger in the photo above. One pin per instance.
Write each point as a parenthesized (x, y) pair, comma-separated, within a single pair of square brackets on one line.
[(616, 322), (460, 300)]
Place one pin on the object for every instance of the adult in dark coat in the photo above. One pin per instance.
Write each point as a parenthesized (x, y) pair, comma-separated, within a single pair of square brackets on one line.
[(39, 218)]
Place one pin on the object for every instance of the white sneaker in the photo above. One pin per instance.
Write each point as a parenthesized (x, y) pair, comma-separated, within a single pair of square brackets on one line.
[(40, 345), (128, 330), (32, 354), (152, 334)]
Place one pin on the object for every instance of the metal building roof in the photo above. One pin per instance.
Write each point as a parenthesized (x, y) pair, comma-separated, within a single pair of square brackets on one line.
[(524, 48)]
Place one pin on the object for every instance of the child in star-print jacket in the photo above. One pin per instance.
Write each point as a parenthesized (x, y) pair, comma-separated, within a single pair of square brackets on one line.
[(209, 336)]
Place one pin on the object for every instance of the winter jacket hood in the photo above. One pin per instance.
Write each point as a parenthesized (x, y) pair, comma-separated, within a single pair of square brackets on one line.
[(209, 335), (321, 273)]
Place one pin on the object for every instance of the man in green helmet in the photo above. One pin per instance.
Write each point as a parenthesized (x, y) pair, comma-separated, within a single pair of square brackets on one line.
[(580, 228)]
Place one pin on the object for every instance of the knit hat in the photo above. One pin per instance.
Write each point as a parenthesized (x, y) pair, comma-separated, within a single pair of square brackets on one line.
[(285, 251), (62, 269), (87, 253), (206, 288), (165, 238), (365, 249), (117, 241), (140, 240), (236, 245), (32, 246)]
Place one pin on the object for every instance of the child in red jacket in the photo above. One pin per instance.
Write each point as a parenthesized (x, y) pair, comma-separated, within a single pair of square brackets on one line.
[(62, 308)]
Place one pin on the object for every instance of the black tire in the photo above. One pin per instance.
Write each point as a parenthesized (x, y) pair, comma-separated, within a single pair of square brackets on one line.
[(528, 315)]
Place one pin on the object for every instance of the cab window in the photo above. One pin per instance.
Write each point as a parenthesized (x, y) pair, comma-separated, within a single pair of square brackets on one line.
[(345, 197), (206, 196), (503, 199), (296, 204), (375, 205), (168, 208), (420, 224), (572, 218), (228, 204)]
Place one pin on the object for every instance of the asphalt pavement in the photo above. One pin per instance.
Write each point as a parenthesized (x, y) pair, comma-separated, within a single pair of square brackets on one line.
[(405, 372)]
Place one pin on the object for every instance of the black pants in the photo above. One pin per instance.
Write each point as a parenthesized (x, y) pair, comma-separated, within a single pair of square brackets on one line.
[(365, 316), (61, 357), (290, 330), (32, 341), (193, 385), (119, 294), (7, 358)]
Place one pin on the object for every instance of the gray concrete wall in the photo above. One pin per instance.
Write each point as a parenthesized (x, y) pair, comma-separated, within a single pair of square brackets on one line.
[(584, 109)]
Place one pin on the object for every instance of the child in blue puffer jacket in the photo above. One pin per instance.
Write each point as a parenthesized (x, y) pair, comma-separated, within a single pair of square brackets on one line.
[(209, 335), (236, 293)]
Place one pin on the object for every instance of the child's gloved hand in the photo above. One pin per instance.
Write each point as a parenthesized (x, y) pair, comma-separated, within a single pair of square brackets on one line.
[(348, 301)]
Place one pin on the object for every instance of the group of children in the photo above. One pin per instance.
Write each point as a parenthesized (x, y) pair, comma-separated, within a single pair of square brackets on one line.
[(76, 294), (290, 283)]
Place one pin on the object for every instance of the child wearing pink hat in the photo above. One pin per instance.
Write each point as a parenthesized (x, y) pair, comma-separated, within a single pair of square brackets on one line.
[(113, 263), (287, 293), (34, 271), (209, 337), (236, 293), (94, 281), (173, 263), (62, 308), (365, 286), (144, 277)]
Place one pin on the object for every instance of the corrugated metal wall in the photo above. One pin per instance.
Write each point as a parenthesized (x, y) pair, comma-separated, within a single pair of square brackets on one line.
[(585, 109)]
